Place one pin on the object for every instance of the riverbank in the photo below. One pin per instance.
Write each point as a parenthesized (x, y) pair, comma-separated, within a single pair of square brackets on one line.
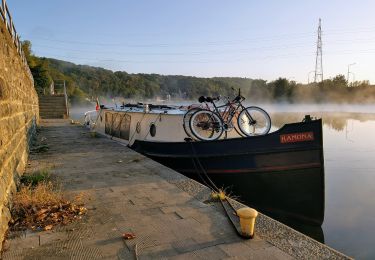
[(129, 193)]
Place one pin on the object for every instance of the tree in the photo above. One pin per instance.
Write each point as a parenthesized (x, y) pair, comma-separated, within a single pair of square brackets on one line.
[(281, 88), (339, 81), (26, 47), (42, 79)]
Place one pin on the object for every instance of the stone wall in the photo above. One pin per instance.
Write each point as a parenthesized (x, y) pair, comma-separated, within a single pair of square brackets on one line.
[(19, 114)]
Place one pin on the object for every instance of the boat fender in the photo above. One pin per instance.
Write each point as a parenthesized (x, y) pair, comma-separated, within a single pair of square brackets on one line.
[(152, 129)]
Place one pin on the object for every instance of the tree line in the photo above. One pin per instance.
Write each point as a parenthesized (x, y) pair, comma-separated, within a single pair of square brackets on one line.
[(87, 82)]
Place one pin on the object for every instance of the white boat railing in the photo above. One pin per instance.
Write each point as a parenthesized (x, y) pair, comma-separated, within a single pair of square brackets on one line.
[(90, 118)]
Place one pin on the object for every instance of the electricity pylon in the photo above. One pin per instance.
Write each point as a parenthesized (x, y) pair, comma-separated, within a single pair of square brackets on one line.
[(319, 56)]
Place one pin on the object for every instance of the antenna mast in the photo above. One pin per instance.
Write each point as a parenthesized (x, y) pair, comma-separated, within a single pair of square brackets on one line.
[(319, 56)]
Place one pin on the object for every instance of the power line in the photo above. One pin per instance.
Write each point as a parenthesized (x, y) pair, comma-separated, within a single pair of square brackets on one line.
[(228, 60), (263, 38), (209, 43), (333, 31), (221, 51)]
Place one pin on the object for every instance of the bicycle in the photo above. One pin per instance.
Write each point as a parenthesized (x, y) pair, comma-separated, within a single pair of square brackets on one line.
[(191, 110), (209, 123)]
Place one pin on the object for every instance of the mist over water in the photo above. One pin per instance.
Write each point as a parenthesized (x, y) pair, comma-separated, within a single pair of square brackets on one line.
[(349, 151), (286, 107)]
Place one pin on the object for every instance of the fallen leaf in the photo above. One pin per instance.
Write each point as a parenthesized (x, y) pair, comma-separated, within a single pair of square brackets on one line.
[(127, 236), (42, 211), (48, 227), (41, 217)]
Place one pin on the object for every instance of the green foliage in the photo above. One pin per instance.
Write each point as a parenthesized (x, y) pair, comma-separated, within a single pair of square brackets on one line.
[(39, 68), (86, 83), (339, 81), (42, 78), (26, 47), (77, 96), (35, 178), (281, 89)]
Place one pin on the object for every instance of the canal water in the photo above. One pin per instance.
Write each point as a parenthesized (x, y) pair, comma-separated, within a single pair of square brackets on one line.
[(349, 151)]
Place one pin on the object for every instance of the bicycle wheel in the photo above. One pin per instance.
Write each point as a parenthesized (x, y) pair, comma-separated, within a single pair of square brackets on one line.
[(236, 127), (186, 121), (254, 121), (206, 125)]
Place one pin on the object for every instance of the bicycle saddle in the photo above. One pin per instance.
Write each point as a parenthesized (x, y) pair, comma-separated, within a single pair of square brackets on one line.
[(202, 99)]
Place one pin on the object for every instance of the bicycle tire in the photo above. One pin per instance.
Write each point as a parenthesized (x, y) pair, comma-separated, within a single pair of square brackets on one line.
[(237, 128), (262, 123), (212, 125), (186, 121)]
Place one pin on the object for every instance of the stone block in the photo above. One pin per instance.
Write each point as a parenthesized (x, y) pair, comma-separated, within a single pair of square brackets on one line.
[(18, 106)]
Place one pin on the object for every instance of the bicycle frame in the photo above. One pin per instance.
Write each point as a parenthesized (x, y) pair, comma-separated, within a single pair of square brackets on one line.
[(221, 117), (234, 106)]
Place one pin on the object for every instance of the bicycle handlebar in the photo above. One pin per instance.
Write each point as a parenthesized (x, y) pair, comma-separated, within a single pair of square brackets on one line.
[(239, 97)]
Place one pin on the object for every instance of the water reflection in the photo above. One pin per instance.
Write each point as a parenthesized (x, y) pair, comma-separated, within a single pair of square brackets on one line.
[(334, 120), (349, 151)]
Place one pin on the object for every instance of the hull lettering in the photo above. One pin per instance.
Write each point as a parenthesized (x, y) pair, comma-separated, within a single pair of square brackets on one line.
[(297, 137)]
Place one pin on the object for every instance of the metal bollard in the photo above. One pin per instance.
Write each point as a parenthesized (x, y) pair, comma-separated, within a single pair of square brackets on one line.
[(247, 221)]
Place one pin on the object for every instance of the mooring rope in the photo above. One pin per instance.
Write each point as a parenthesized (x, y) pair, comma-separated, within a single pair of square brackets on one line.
[(213, 187), (200, 176), (225, 203), (135, 132)]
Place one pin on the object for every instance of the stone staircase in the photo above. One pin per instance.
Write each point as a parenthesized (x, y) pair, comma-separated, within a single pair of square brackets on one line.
[(52, 107)]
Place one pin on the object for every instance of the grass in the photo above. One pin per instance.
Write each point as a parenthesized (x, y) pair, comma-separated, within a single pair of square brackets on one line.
[(42, 194), (35, 178), (222, 194), (41, 204)]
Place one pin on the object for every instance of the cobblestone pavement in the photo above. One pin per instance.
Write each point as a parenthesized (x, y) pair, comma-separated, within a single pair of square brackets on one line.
[(127, 192)]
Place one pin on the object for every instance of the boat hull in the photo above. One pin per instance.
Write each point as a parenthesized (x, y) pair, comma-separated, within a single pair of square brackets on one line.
[(280, 174)]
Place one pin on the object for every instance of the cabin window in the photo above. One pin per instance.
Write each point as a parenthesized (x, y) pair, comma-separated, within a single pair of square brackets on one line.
[(152, 130)]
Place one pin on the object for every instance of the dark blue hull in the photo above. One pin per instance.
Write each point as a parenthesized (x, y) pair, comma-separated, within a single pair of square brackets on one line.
[(280, 174)]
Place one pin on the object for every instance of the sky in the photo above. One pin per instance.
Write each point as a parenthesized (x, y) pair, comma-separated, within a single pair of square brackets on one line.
[(210, 38)]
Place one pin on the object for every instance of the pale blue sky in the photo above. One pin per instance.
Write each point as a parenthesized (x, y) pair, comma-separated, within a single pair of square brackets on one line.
[(263, 39)]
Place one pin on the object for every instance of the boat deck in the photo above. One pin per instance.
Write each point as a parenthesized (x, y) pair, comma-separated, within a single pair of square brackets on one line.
[(130, 193)]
